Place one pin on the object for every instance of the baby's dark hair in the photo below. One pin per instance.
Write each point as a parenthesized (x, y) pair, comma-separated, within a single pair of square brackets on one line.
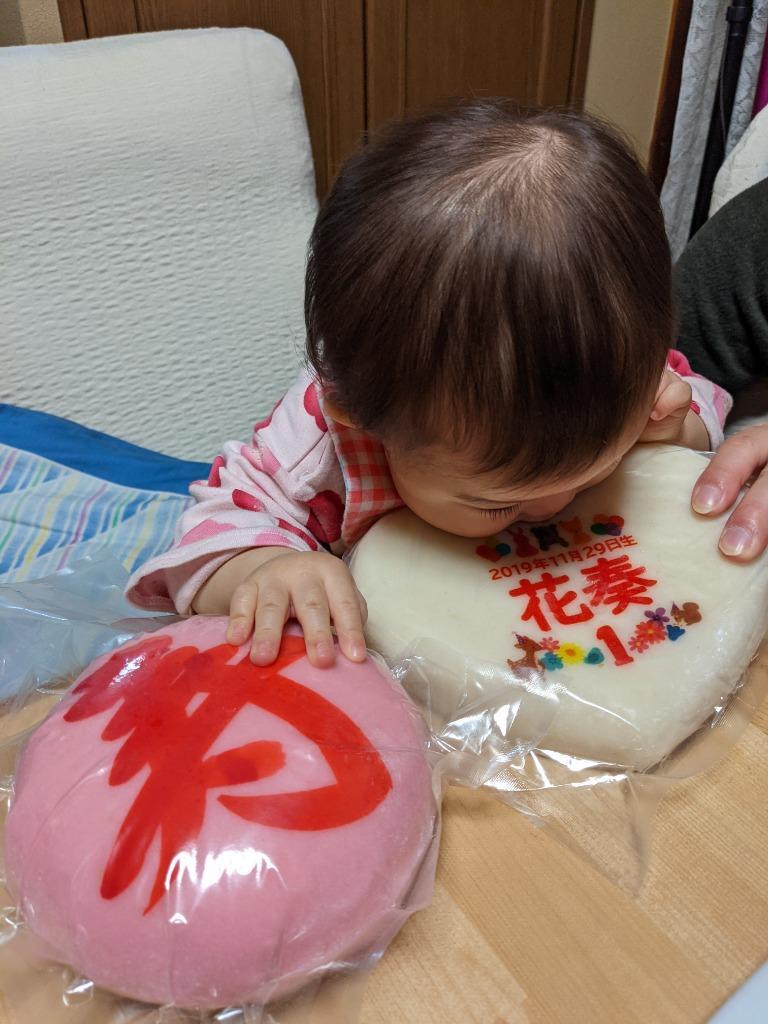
[(496, 279)]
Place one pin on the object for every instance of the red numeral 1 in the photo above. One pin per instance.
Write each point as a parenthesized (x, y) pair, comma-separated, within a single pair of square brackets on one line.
[(619, 652)]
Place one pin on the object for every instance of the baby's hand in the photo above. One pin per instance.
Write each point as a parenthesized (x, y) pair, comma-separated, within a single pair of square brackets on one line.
[(313, 587), (672, 404), (673, 418)]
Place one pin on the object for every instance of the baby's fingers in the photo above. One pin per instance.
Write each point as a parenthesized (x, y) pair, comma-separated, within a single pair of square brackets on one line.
[(242, 609), (349, 613), (271, 615), (310, 607)]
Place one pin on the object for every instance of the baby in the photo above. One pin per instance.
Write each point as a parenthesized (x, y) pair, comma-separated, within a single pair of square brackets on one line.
[(489, 321)]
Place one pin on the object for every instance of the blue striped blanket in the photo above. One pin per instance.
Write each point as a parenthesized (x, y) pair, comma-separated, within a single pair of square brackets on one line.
[(51, 515)]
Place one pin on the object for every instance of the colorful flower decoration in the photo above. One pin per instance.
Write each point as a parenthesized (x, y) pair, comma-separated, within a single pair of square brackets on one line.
[(654, 628), (571, 654), (660, 616), (551, 661), (651, 632)]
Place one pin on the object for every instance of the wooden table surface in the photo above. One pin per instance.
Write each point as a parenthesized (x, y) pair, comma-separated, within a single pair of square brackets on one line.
[(523, 931)]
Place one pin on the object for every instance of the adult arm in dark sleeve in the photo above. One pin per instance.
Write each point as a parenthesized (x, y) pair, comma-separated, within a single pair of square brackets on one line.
[(721, 292)]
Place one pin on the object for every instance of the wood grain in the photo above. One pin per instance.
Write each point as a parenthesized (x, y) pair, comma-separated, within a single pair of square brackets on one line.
[(454, 49), (559, 22), (580, 61), (115, 18), (72, 17), (543, 924), (386, 59), (423, 51)]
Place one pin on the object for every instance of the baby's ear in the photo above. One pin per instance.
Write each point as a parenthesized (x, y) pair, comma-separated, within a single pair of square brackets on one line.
[(337, 414)]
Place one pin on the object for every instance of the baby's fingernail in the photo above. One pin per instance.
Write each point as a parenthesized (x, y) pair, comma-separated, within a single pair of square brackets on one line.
[(262, 653), (236, 632), (324, 652), (736, 540), (706, 497)]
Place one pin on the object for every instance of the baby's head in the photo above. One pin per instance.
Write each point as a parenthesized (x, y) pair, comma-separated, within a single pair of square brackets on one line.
[(488, 294)]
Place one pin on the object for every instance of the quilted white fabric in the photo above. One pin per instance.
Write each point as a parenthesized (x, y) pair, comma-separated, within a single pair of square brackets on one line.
[(157, 197), (745, 165)]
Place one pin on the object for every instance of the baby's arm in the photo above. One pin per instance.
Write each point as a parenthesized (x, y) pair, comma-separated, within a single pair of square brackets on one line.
[(253, 544)]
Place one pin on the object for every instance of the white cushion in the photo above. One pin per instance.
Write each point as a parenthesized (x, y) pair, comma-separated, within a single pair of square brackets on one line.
[(158, 194)]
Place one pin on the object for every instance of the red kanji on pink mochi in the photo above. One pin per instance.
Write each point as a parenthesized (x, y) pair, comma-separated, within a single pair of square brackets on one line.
[(189, 828)]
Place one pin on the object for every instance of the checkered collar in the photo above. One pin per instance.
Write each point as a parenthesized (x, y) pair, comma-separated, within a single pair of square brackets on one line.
[(370, 491)]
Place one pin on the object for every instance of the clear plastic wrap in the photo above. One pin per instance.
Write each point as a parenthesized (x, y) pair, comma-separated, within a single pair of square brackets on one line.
[(495, 722), (229, 843), (207, 840), (618, 646)]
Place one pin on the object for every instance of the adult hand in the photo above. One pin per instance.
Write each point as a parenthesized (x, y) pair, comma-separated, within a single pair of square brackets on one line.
[(741, 456)]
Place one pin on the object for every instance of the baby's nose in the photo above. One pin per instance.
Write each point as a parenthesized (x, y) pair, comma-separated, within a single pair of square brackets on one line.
[(547, 507)]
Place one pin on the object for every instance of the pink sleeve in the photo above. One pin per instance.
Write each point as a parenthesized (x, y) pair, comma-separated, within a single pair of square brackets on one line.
[(284, 489), (710, 401)]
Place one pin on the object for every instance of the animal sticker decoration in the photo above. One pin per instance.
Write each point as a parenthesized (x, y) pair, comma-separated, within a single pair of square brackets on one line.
[(614, 582)]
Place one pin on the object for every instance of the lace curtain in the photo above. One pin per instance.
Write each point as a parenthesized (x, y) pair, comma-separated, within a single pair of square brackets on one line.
[(701, 67)]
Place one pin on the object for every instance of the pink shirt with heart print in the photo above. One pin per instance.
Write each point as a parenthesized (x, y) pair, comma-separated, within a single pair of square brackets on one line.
[(307, 483)]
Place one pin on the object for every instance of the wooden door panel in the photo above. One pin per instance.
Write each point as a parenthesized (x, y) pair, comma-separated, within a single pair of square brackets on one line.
[(421, 51), (325, 38), (483, 47)]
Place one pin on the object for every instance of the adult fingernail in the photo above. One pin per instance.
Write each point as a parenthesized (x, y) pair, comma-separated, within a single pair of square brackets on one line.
[(706, 497), (736, 540)]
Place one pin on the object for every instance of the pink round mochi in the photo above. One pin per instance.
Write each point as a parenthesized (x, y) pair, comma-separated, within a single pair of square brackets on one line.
[(188, 828)]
